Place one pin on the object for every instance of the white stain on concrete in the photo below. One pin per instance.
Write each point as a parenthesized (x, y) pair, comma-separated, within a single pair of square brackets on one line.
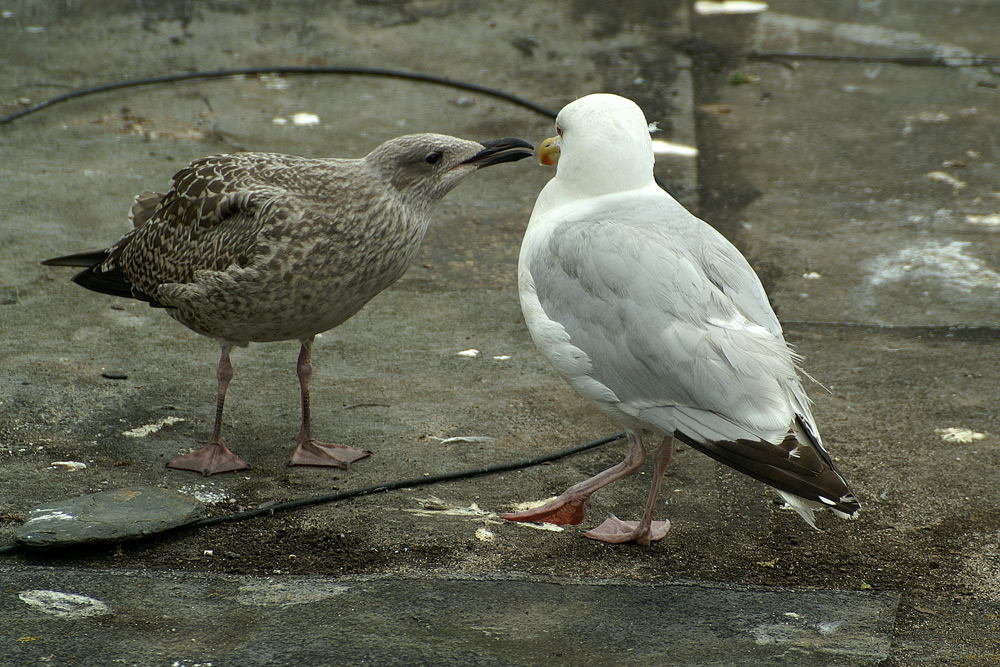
[(63, 605), (462, 438), (305, 119), (285, 593), (946, 262), (149, 429), (947, 179), (435, 507), (991, 220), (959, 434), (71, 466), (728, 7), (206, 494)]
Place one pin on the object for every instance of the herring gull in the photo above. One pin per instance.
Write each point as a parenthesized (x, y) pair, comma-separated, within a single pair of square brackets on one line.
[(655, 318), (261, 247)]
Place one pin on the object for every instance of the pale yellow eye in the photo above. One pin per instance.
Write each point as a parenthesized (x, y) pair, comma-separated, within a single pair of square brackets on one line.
[(559, 130)]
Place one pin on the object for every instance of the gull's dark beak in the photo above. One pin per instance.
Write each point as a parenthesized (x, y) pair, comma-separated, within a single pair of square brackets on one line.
[(508, 149)]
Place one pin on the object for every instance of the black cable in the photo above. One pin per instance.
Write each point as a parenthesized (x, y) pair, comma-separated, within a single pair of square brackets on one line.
[(286, 69), (408, 483), (990, 62), (388, 486)]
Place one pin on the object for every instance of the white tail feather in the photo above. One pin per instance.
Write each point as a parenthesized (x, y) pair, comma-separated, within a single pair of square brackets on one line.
[(805, 508)]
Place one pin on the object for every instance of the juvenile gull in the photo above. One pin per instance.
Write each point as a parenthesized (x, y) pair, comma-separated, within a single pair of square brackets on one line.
[(259, 247), (656, 319)]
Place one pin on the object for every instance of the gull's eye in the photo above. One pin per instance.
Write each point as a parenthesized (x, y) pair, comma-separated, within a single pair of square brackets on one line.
[(432, 158), (559, 130)]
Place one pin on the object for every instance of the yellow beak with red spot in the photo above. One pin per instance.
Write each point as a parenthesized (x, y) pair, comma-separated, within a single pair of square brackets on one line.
[(548, 152)]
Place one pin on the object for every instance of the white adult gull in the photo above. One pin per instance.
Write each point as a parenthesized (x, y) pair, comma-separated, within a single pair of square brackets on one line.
[(656, 319)]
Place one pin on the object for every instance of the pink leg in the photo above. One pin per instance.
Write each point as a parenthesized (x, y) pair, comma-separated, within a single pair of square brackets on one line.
[(616, 531), (568, 508), (311, 452), (215, 456)]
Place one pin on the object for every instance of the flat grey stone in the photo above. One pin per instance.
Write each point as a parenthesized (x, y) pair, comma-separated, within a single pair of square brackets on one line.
[(195, 618), (108, 516)]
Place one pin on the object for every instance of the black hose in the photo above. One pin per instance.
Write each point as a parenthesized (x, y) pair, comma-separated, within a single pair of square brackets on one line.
[(407, 483), (285, 69)]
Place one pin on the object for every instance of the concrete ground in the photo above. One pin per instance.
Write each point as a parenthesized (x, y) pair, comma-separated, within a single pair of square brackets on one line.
[(866, 194)]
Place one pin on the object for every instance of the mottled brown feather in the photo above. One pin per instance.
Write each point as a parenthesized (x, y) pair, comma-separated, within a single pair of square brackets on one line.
[(264, 247)]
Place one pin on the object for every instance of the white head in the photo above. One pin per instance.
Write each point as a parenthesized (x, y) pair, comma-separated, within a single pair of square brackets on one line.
[(603, 146)]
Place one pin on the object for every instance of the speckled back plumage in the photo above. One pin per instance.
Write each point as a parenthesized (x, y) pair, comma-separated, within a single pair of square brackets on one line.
[(265, 247), (258, 247), (209, 220)]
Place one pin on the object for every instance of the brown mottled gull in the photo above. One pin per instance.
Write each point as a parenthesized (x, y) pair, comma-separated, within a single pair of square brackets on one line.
[(656, 319), (259, 247)]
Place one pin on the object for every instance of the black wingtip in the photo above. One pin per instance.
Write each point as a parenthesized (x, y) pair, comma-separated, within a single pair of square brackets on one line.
[(107, 281), (86, 259), (810, 474)]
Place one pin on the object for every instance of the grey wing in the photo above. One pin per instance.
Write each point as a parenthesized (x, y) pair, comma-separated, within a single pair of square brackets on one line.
[(730, 272), (663, 332)]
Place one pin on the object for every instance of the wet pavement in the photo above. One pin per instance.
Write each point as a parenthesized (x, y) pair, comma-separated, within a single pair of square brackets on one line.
[(866, 195), (479, 620)]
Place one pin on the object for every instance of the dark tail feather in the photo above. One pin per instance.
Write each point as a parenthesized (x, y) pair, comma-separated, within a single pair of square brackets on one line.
[(111, 281), (809, 474)]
